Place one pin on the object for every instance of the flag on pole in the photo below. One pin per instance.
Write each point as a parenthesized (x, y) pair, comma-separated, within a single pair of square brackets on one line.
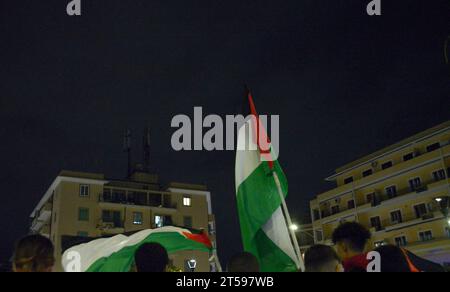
[(116, 254), (264, 230)]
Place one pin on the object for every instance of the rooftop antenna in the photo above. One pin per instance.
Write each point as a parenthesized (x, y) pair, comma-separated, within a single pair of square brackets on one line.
[(146, 149), (127, 148)]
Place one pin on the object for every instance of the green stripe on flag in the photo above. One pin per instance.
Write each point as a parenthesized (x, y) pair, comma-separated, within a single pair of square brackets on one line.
[(123, 259)]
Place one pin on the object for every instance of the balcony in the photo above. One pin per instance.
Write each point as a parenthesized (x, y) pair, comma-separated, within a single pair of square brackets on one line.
[(42, 218), (379, 199), (410, 220), (163, 202), (111, 227)]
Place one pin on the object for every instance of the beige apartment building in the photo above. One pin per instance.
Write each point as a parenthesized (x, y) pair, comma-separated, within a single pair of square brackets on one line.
[(78, 206), (399, 193)]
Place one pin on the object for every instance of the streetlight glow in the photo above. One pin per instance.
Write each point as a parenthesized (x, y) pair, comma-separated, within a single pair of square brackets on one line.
[(438, 200), (293, 227)]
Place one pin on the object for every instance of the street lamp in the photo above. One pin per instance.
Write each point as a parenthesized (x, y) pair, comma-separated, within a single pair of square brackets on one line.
[(293, 227), (444, 204)]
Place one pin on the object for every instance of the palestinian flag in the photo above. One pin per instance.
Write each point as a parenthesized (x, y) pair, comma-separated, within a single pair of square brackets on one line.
[(264, 230), (116, 254)]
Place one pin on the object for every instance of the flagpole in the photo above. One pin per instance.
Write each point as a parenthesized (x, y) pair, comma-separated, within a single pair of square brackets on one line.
[(289, 221), (217, 261)]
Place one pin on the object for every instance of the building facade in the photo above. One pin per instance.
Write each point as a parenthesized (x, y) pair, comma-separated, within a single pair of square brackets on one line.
[(81, 206), (397, 193)]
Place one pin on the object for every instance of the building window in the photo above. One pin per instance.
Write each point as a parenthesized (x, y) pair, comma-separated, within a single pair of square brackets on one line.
[(447, 231), (408, 157), (83, 214), (369, 198), (415, 184), (187, 221), (319, 235), (348, 180), (137, 198), (375, 222), (334, 210), (316, 215), (84, 191), (439, 175), (367, 173), (82, 234), (420, 210), (351, 204), (391, 192), (187, 201), (396, 217), (401, 241), (426, 235), (433, 147), (386, 165), (161, 221), (114, 217), (137, 218)]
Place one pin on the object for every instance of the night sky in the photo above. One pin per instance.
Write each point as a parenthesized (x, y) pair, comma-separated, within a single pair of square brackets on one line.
[(344, 84)]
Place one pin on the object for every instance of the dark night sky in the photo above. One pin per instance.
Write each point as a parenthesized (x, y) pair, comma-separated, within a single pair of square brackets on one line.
[(344, 84)]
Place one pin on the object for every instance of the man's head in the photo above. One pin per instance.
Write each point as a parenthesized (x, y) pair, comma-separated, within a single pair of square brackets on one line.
[(151, 257), (322, 259), (243, 262), (350, 239), (34, 253)]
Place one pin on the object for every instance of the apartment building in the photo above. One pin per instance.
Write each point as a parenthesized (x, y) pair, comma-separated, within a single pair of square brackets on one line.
[(401, 193), (82, 206)]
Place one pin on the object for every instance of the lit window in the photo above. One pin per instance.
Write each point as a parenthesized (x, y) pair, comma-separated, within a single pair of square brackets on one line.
[(187, 201), (137, 218), (159, 221)]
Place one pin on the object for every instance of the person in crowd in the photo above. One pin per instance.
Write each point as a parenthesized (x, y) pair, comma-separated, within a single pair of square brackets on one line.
[(33, 253), (150, 258), (351, 239), (322, 259), (393, 260), (243, 263)]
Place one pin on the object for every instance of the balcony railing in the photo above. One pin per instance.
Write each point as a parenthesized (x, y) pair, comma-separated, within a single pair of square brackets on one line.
[(124, 200), (378, 198)]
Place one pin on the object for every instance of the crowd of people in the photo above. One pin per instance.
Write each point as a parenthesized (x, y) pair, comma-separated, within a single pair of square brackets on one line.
[(35, 253)]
